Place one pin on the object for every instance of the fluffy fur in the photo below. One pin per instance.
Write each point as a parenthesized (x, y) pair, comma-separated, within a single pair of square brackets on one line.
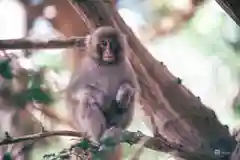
[(101, 96)]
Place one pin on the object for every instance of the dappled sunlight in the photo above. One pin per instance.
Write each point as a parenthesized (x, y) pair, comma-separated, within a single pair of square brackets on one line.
[(206, 76), (14, 25), (193, 43)]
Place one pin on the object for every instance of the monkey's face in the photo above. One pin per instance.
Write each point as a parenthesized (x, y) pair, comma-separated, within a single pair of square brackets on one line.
[(109, 50), (108, 45)]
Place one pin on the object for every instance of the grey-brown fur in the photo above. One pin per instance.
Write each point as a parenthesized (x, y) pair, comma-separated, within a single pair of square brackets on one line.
[(93, 89)]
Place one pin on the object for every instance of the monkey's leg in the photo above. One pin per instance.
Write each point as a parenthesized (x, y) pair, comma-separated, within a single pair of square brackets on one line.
[(114, 133), (121, 117), (88, 114)]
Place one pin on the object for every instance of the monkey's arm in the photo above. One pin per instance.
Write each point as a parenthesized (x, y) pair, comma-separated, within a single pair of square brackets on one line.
[(86, 113)]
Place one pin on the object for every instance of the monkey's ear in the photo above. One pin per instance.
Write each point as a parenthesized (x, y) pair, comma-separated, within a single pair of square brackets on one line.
[(87, 40), (124, 38)]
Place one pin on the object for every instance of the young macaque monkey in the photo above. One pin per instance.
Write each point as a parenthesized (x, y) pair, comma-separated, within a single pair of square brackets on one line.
[(103, 89)]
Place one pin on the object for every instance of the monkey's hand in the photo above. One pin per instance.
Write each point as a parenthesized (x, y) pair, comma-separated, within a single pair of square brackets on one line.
[(123, 110), (125, 95)]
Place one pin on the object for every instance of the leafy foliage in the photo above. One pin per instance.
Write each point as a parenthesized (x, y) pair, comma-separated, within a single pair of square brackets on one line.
[(86, 149), (39, 95), (34, 92), (5, 69), (7, 156), (84, 144)]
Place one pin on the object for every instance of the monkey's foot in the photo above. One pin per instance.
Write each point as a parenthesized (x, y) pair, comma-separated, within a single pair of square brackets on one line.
[(111, 137)]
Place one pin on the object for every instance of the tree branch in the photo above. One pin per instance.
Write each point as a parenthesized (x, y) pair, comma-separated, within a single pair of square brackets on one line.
[(11, 140), (154, 143), (30, 44)]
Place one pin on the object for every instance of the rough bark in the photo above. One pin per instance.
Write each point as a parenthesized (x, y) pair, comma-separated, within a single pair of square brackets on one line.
[(176, 113), (232, 8)]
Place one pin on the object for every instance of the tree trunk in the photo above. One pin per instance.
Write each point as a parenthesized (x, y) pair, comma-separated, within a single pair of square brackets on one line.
[(232, 8), (175, 112)]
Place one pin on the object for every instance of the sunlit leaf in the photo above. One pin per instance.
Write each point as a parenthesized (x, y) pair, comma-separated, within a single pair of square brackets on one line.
[(50, 61)]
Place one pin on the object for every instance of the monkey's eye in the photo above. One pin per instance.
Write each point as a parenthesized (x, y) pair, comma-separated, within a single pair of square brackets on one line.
[(104, 43)]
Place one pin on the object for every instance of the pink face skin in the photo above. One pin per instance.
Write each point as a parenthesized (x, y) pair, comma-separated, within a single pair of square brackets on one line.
[(107, 55)]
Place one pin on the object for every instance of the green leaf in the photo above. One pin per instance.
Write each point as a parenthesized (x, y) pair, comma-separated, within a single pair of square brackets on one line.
[(99, 153), (39, 95), (237, 110), (179, 81), (84, 144), (35, 81), (7, 156), (109, 142), (5, 69), (98, 156)]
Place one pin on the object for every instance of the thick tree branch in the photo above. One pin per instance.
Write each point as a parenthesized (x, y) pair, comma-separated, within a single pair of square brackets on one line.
[(232, 9), (177, 113)]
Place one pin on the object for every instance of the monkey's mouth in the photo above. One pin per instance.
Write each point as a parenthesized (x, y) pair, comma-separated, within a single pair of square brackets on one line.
[(108, 58)]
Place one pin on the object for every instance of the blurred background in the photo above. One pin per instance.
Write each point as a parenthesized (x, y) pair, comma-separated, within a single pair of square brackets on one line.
[(197, 41)]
